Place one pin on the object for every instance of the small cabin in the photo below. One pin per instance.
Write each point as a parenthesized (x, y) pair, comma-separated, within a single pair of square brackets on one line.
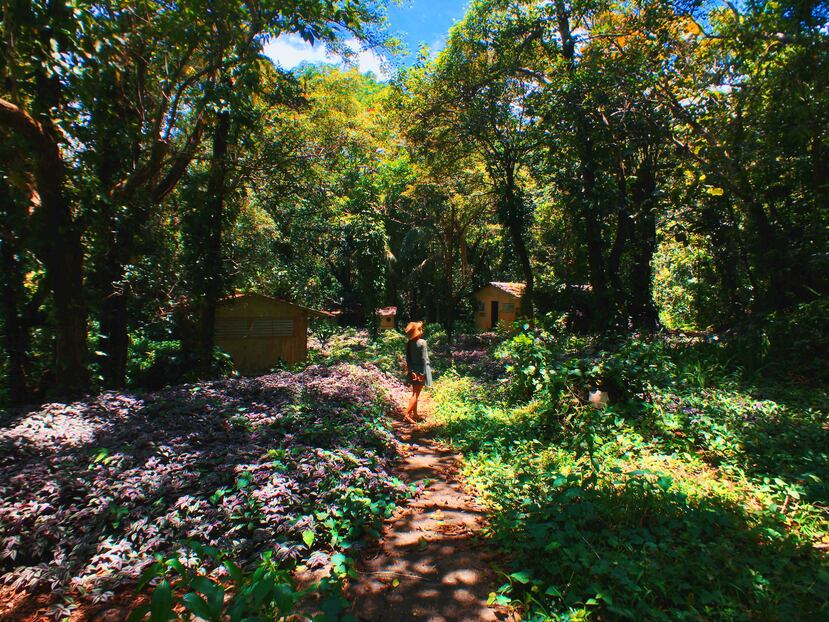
[(259, 331), (498, 302), (386, 318)]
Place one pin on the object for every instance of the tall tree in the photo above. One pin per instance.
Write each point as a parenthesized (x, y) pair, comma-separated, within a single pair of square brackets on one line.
[(480, 91), (42, 42)]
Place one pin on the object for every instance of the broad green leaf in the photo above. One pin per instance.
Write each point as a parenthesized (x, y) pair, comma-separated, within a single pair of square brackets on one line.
[(196, 605), (523, 576), (138, 614), (161, 604), (308, 538)]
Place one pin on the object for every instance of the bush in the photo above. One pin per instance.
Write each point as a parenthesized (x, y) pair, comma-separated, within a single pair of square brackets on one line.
[(156, 364), (786, 344), (779, 339), (545, 363), (388, 350), (269, 592), (342, 347), (436, 336), (692, 497), (634, 369)]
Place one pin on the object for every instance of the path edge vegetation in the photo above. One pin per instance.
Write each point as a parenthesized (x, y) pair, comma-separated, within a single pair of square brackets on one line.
[(698, 492)]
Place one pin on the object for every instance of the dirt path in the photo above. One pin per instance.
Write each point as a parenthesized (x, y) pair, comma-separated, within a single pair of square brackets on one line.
[(429, 564)]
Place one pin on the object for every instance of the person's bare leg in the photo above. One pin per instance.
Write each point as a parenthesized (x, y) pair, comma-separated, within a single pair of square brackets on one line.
[(411, 410), (416, 395), (408, 408), (407, 414)]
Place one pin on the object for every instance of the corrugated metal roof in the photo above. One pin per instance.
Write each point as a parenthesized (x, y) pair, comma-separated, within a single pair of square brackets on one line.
[(239, 295), (514, 289)]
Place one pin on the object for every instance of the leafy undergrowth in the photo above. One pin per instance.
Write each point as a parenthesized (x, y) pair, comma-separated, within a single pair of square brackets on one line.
[(294, 466), (696, 494), (385, 350), (468, 353)]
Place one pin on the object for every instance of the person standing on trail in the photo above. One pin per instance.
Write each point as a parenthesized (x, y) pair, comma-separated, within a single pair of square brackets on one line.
[(418, 372)]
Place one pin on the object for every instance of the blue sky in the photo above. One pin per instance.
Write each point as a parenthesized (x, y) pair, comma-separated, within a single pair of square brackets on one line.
[(415, 22), (425, 21)]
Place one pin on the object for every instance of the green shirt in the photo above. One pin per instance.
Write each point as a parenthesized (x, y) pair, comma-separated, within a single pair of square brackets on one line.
[(417, 358)]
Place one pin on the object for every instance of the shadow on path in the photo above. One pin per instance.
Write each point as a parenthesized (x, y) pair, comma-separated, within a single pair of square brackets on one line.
[(429, 564)]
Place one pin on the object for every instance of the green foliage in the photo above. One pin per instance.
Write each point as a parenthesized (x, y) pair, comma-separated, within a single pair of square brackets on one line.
[(435, 335), (229, 593), (154, 129), (799, 337), (683, 285), (332, 241), (696, 493), (637, 546), (386, 350), (156, 364), (551, 366)]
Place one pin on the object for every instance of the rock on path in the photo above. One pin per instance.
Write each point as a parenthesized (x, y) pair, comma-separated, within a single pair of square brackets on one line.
[(429, 564)]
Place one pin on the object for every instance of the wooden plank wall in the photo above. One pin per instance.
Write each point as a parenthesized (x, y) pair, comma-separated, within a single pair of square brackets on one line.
[(257, 355), (483, 319)]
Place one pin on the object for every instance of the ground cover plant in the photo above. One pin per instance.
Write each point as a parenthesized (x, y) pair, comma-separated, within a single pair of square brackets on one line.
[(210, 477), (350, 345), (386, 350), (700, 492)]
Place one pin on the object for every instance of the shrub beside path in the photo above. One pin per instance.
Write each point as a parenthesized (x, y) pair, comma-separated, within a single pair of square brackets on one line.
[(429, 564)]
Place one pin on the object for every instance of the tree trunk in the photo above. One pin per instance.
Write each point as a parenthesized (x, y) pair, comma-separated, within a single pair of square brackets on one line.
[(15, 334), (213, 264), (59, 248), (113, 314), (512, 218), (448, 267), (590, 216), (592, 225), (64, 264), (642, 307), (773, 259), (134, 199), (614, 259), (109, 119), (624, 233)]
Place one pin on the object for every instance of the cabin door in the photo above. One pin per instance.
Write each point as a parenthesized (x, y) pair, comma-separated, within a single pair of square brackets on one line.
[(494, 314)]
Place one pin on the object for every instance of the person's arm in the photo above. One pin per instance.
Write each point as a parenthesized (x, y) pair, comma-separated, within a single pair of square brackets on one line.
[(424, 349), (422, 356), (407, 362)]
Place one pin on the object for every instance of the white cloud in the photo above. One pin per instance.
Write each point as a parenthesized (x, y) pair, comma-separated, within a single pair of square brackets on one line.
[(288, 51), (436, 47)]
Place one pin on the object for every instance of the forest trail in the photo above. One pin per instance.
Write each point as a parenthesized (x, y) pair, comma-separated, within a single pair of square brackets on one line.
[(429, 564)]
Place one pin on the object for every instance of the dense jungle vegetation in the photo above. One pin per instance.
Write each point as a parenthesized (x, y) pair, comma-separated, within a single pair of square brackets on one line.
[(636, 164), (655, 171)]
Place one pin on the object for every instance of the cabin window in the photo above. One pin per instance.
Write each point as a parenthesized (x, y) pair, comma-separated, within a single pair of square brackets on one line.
[(231, 328), (479, 306), (273, 328), (508, 307)]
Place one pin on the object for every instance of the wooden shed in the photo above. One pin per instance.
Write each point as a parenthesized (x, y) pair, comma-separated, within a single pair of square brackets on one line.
[(498, 302), (259, 331), (386, 318)]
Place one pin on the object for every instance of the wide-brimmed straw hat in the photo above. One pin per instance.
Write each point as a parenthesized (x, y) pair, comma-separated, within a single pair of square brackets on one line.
[(414, 330)]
